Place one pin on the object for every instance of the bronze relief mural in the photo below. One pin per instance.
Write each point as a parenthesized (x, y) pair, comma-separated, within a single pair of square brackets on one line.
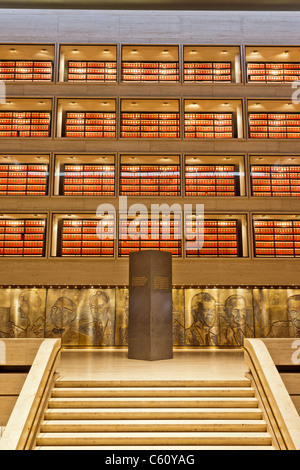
[(218, 317), (98, 317)]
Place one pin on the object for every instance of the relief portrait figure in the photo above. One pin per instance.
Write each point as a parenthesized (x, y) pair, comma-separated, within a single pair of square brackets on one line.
[(236, 318), (31, 317), (204, 330), (291, 327), (63, 316), (99, 331)]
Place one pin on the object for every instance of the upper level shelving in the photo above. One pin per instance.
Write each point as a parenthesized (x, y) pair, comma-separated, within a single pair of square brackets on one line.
[(149, 63)]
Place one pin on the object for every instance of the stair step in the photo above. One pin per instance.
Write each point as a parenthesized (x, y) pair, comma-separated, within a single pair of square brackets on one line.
[(245, 382), (155, 438), (150, 402), (98, 392), (131, 425), (153, 413)]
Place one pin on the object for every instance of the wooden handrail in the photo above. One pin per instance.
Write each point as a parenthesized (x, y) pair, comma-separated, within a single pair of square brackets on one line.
[(287, 418), (23, 418)]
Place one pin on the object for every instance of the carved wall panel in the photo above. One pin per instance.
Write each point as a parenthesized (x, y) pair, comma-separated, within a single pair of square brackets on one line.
[(83, 316)]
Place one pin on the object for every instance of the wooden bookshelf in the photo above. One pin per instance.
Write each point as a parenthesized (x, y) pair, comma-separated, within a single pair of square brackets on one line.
[(25, 124), (150, 235), (275, 180), (90, 124), (273, 72), (209, 125), (26, 70), (211, 180), (88, 180), (91, 71), (207, 72), (276, 238), (150, 125), (86, 238), (150, 71), (22, 237), (23, 179), (274, 125), (149, 180), (221, 238)]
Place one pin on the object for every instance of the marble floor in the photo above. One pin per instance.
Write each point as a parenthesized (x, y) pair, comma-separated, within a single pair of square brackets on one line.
[(187, 364)]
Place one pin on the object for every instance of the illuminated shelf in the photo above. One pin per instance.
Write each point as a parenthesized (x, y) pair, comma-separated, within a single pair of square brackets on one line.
[(275, 180), (150, 125), (150, 180), (274, 125), (85, 237), (273, 72), (25, 124), (276, 238), (90, 124), (26, 70), (150, 71), (221, 238), (150, 235), (92, 71), (24, 237), (207, 72), (211, 180), (88, 180), (23, 179), (208, 125)]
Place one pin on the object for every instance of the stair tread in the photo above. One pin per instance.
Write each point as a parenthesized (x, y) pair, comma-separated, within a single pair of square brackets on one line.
[(150, 392), (151, 421), (151, 388), (156, 434), (177, 414), (61, 382), (159, 399), (152, 410)]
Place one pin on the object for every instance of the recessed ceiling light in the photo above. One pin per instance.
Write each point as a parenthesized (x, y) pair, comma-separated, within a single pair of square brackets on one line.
[(165, 51), (224, 51), (255, 52), (133, 102), (134, 50), (75, 50), (44, 50), (73, 102), (105, 102), (12, 49)]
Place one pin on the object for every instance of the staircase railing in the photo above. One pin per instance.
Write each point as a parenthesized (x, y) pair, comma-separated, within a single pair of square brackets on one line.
[(281, 413), (23, 423)]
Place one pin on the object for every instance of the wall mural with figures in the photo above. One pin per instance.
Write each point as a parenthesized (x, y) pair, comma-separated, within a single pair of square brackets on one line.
[(98, 316)]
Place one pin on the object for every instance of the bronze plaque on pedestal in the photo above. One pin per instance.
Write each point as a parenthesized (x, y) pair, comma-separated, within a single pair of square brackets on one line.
[(150, 335)]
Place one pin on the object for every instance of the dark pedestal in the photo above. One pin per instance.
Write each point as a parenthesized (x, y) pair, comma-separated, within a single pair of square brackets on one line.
[(150, 306)]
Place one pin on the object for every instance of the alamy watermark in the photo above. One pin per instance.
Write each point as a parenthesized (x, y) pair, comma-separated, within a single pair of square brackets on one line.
[(296, 354), (296, 93), (2, 92), (161, 222), (2, 352)]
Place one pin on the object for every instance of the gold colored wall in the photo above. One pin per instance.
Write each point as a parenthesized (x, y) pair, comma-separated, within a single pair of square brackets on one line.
[(85, 316)]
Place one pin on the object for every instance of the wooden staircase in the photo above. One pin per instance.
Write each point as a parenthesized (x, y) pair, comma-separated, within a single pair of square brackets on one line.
[(153, 415)]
